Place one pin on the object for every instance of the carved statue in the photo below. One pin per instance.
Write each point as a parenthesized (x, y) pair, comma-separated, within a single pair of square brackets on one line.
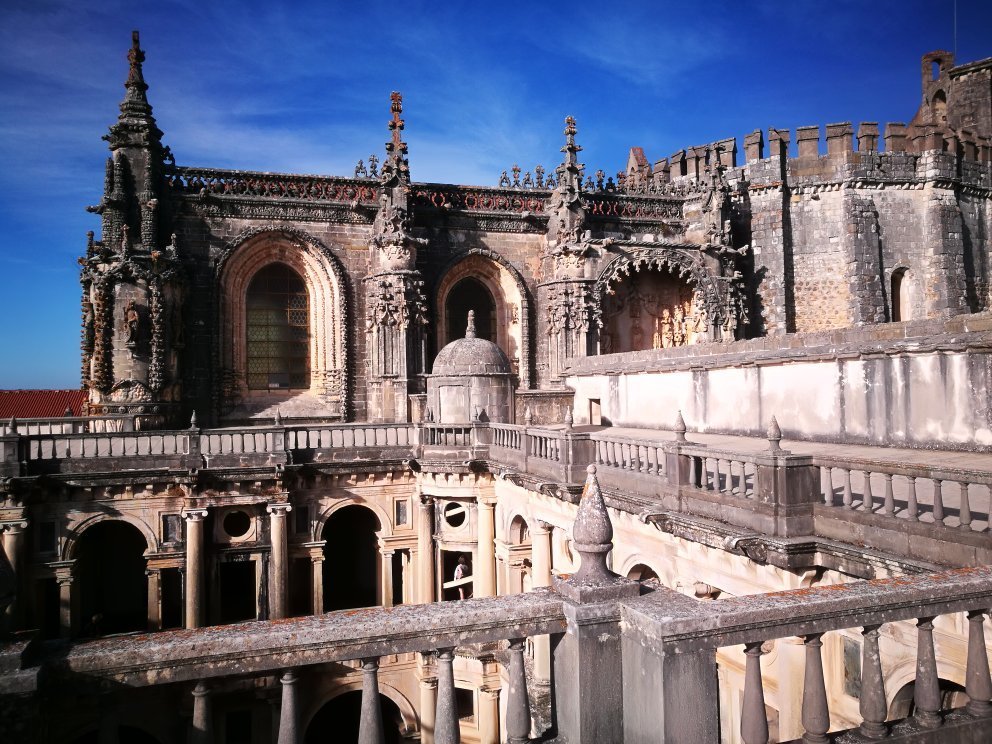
[(132, 321)]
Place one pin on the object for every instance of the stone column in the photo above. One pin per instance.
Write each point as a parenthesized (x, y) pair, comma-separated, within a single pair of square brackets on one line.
[(386, 576), (405, 578), (484, 584), (446, 727), (540, 536), (289, 711), (13, 546), (317, 575), (280, 560), (489, 715), (370, 729), (154, 576), (202, 731), (194, 567), (425, 550), (68, 614), (428, 705), (517, 702)]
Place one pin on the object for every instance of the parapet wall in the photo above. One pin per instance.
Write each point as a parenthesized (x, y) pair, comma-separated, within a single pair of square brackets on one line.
[(914, 384)]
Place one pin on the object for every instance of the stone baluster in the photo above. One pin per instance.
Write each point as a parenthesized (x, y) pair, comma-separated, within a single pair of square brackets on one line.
[(289, 711), (721, 485), (370, 729), (977, 682), (517, 703), (713, 476), (446, 729), (872, 703), (889, 507), (867, 502), (815, 715), (848, 498), (202, 731), (754, 721), (827, 476), (912, 505), (737, 489), (927, 694), (965, 510), (938, 501)]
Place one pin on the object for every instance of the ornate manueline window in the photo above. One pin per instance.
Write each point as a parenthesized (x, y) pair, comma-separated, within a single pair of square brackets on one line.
[(278, 330)]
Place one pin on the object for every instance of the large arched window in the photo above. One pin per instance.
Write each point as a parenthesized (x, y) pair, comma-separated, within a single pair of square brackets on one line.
[(278, 330)]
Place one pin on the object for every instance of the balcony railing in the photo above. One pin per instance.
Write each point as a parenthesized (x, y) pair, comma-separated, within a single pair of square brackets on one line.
[(910, 510)]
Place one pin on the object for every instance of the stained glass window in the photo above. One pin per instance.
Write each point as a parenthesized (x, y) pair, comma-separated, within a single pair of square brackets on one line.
[(278, 328)]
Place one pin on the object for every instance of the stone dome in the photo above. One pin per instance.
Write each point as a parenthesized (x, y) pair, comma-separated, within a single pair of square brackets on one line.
[(471, 356)]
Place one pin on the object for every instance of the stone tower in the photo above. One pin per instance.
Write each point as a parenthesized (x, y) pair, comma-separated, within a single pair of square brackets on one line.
[(395, 307), (131, 278)]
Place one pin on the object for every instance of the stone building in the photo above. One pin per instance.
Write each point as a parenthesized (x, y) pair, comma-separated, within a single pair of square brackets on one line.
[(540, 427)]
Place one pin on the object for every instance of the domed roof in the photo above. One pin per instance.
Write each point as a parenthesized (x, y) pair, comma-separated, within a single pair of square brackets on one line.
[(471, 356)]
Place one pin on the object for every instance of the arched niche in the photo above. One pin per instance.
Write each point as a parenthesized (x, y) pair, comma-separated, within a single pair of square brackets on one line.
[(511, 308), (654, 298), (407, 721), (326, 394)]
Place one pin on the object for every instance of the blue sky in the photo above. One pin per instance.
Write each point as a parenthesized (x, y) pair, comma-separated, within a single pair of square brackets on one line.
[(304, 87)]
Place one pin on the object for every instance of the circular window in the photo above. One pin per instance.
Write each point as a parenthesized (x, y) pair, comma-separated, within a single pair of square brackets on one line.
[(454, 514), (237, 523)]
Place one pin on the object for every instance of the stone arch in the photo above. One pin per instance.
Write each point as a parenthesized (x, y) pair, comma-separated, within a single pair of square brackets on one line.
[(408, 714), (518, 530), (713, 294), (327, 286), (385, 524), (74, 532), (509, 291), (901, 286), (904, 674), (636, 562)]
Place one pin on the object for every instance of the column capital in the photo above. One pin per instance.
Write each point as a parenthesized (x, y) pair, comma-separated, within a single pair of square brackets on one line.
[(429, 683), (426, 500), (490, 692), (14, 526), (540, 527), (194, 514), (279, 509), (65, 572)]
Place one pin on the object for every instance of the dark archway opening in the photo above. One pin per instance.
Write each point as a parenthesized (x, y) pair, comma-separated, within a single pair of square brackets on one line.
[(351, 574), (338, 720), (238, 594), (952, 695), (125, 735), (898, 296), (470, 294), (113, 590)]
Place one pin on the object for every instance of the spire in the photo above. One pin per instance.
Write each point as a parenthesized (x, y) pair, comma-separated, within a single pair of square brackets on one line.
[(396, 167), (470, 325), (571, 149), (566, 208), (135, 126), (135, 101)]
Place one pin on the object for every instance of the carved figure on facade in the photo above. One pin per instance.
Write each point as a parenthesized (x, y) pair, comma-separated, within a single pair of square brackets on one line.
[(132, 324)]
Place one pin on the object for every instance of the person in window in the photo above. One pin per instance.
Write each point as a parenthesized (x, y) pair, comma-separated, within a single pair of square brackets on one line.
[(462, 571)]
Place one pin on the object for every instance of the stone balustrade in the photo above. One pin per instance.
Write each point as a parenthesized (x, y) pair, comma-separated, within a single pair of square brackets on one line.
[(928, 514), (676, 638)]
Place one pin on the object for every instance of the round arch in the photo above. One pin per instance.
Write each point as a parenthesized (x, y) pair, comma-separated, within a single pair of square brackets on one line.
[(385, 525), (509, 292), (326, 285), (74, 532), (635, 562), (408, 714)]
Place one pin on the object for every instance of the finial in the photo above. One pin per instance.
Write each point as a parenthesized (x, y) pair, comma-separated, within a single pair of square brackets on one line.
[(135, 101), (12, 426), (277, 420), (592, 532), (470, 325), (569, 418), (679, 427), (774, 436), (396, 123), (528, 416), (192, 421)]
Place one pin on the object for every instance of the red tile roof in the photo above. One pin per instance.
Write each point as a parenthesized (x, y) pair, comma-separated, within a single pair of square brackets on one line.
[(40, 403)]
